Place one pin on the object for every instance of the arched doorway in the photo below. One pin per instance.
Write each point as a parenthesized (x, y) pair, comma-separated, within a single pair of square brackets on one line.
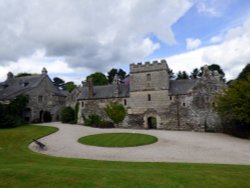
[(152, 122)]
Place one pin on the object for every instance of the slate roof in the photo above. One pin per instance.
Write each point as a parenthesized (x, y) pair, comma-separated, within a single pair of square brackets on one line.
[(181, 87), (16, 86), (105, 91)]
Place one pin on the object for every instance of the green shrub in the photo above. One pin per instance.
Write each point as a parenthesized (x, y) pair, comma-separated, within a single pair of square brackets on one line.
[(11, 115), (116, 112), (93, 120), (68, 115)]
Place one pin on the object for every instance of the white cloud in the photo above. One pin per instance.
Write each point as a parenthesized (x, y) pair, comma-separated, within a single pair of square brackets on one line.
[(192, 43), (94, 35), (232, 54), (215, 39), (212, 8)]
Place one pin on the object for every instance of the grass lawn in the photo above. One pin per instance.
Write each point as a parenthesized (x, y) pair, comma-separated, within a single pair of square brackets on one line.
[(20, 167), (118, 139)]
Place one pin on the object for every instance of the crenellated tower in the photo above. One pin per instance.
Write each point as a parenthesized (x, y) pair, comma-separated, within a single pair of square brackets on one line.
[(149, 76)]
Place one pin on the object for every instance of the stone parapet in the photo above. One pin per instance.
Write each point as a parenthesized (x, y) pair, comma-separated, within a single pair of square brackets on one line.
[(148, 66)]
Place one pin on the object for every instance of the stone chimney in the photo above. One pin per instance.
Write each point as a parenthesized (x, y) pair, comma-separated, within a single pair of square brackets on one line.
[(90, 88), (116, 84), (10, 75), (44, 71)]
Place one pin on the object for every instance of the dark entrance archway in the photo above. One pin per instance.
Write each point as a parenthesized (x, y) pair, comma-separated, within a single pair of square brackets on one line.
[(27, 115), (152, 122), (41, 116)]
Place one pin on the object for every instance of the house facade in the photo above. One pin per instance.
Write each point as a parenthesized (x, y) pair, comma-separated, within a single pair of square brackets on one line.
[(154, 101), (42, 95)]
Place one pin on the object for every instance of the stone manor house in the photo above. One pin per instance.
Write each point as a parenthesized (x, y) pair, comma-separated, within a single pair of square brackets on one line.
[(152, 100)]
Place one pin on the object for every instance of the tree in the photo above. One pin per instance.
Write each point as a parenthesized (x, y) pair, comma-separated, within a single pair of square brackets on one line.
[(195, 73), (182, 75), (233, 105), (11, 115), (116, 112), (98, 78), (111, 74), (212, 68), (244, 73), (69, 86), (23, 74), (58, 82), (171, 74)]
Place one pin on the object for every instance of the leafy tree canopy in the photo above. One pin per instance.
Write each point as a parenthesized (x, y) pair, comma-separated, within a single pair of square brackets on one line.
[(111, 74), (182, 75), (23, 74), (69, 86), (244, 73), (213, 67), (58, 82), (171, 74), (116, 112), (98, 78), (195, 73), (234, 104)]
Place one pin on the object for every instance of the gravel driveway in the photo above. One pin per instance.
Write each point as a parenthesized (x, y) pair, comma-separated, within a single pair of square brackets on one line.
[(172, 146)]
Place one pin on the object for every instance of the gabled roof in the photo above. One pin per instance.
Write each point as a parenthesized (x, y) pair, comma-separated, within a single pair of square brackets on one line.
[(14, 86), (105, 91), (181, 87), (19, 85)]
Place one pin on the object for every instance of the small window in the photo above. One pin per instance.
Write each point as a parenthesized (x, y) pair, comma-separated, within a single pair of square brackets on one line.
[(170, 98), (149, 97), (40, 99), (125, 102), (83, 104), (148, 77), (183, 104)]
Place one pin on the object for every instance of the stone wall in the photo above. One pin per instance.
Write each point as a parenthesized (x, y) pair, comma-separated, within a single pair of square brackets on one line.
[(96, 106)]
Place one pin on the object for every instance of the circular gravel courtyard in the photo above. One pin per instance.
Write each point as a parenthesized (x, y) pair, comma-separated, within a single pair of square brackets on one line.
[(172, 146)]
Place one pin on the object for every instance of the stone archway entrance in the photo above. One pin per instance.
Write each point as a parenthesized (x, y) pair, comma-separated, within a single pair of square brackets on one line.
[(27, 115), (152, 122)]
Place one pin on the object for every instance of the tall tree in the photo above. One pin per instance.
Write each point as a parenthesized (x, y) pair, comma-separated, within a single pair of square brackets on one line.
[(58, 82), (244, 73), (212, 68), (23, 74), (111, 74), (69, 86), (171, 74), (195, 73), (121, 73), (182, 75), (233, 105), (98, 78)]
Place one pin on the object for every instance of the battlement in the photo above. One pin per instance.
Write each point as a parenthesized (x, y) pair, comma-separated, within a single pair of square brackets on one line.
[(148, 66)]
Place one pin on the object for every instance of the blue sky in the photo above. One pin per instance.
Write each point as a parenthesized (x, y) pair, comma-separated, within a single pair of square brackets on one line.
[(75, 38)]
